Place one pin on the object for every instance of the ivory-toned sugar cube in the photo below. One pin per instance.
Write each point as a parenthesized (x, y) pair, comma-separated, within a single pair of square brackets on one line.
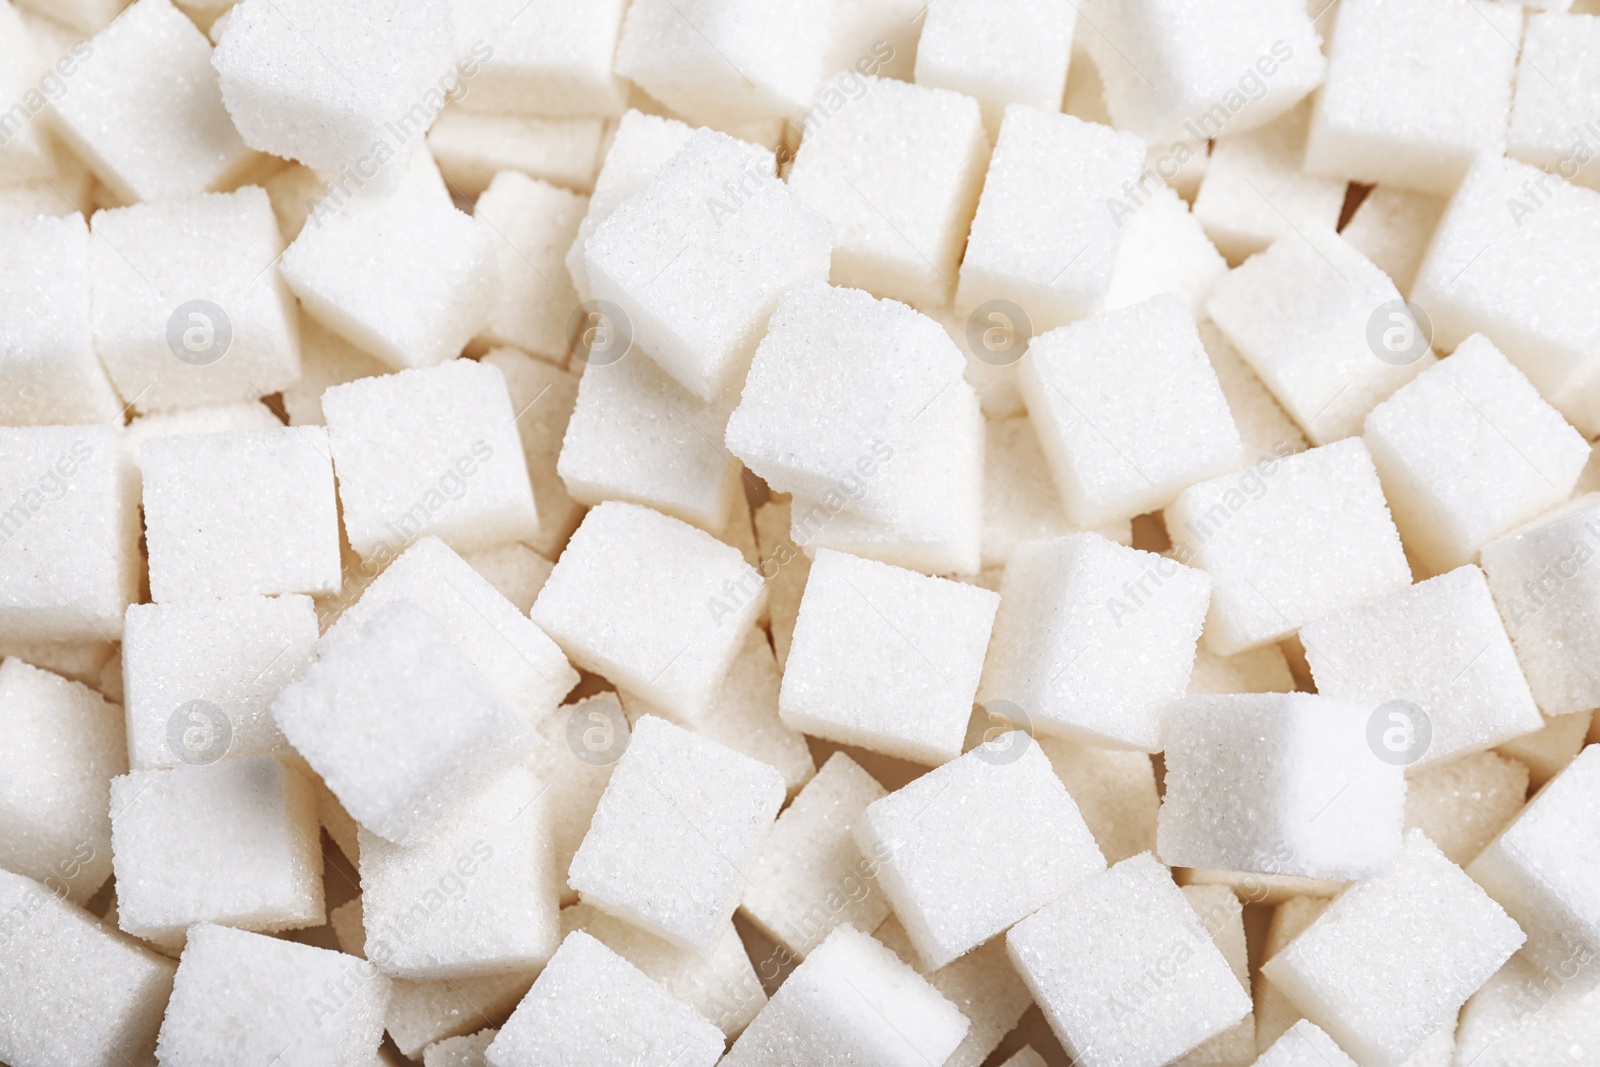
[(61, 746), (1020, 502), (1222, 914), (1115, 791), (1415, 91), (1547, 752), (1394, 956), (1264, 427), (1521, 1018), (546, 58), (91, 662), (515, 571), (1305, 1044), (432, 451), (212, 418), (592, 1006), (1261, 670), (897, 173), (1557, 92), (1392, 228), (1462, 804), (543, 397), (786, 569), (233, 842), (1278, 783), (1275, 1012), (1264, 537), (886, 658), (1164, 249), (74, 993), (674, 832), (581, 743), (698, 259), (957, 860), (852, 998), (532, 224), (144, 110), (472, 148), (1013, 52), (326, 360), (1093, 639), (241, 997), (1125, 970)]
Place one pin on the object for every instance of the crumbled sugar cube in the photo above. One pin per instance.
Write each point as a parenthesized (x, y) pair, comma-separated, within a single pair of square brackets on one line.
[(580, 744), (1305, 1045), (1014, 52), (1261, 670), (1302, 315), (1264, 427), (1439, 645), (75, 993), (697, 260), (1520, 1018), (1223, 917), (1542, 868), (1115, 791), (241, 997), (1462, 804), (359, 115), (532, 224), (1414, 91), (886, 658), (1392, 228), (786, 570), (1557, 94), (1278, 783), (653, 604), (62, 746), (1124, 969), (233, 841), (144, 110), (1487, 271), (1547, 752), (543, 397), (68, 561), (1395, 955), (468, 1051), (674, 833), (897, 172), (957, 865), (326, 359), (852, 998), (1093, 639), (551, 58), (1020, 502), (187, 309), (1467, 450), (49, 372), (516, 571), (1264, 537), (1164, 249), (588, 991)]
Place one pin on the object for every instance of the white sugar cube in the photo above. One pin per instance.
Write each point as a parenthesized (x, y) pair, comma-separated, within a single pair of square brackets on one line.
[(243, 998), (878, 37), (592, 1006), (75, 993), (1264, 427), (852, 998), (27, 153), (697, 260), (674, 833), (1050, 175), (1093, 639), (957, 860), (1438, 645), (1557, 91), (211, 418), (786, 568), (533, 224), (1020, 502), (326, 359), (1163, 250), (1275, 1012), (516, 571), (1547, 752), (1261, 670), (233, 842), (548, 58), (651, 603), (1264, 538), (1520, 1018), (581, 743), (470, 1050), (1222, 914), (886, 658), (543, 397), (1305, 1044), (1278, 783), (897, 173), (1115, 791), (144, 108), (1124, 969), (1414, 92), (471, 149), (432, 451), (1394, 957), (1008, 53), (1463, 804), (1392, 228), (91, 662)]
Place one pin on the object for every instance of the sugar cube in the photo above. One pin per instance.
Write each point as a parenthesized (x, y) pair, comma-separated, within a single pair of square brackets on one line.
[(1305, 1044), (1025, 1057), (1556, 95), (210, 418), (786, 569), (1392, 228), (470, 1050), (326, 359), (1547, 752), (878, 37), (1020, 502), (515, 571), (549, 58), (543, 398), (86, 661), (1521, 1018), (999, 54), (472, 148), (533, 224), (1163, 250), (1261, 670), (1462, 804), (582, 742), (1275, 1012), (1264, 427), (1115, 791), (1222, 915)]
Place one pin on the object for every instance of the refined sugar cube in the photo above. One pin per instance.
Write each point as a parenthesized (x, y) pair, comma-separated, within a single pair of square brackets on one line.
[(27, 153), (1020, 502), (956, 860), (1275, 1012), (1094, 639), (471, 149), (1115, 791), (89, 662), (1557, 91), (879, 37), (1264, 427), (1305, 1045), (533, 224), (543, 398), (788, 568), (674, 833), (515, 571), (212, 418), (1163, 250), (550, 57), (1278, 784), (1521, 1019), (1014, 52), (886, 658), (326, 359), (1222, 914), (852, 998), (1394, 956), (1261, 670), (581, 743), (1392, 228), (1264, 537), (233, 842), (1463, 804), (1124, 969), (1547, 752), (897, 173)]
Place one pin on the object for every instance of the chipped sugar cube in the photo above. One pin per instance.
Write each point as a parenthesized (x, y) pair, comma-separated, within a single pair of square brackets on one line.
[(1392, 228), (1557, 93), (1014, 52), (543, 398), (470, 1050), (1223, 917), (1115, 791), (1020, 502), (1164, 249), (1463, 804), (551, 57), (1305, 1044), (533, 224)]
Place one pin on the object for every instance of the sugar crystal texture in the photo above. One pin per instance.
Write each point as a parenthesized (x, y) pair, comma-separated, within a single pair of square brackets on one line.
[(1264, 427), (1014, 52), (516, 571), (581, 743), (326, 359), (1164, 249), (1547, 752), (551, 57), (1261, 670), (532, 224), (1557, 94), (1115, 790), (543, 397), (472, 148), (1020, 502), (469, 1050), (1462, 804), (1518, 1020), (1305, 1044), (1392, 227), (1222, 914)]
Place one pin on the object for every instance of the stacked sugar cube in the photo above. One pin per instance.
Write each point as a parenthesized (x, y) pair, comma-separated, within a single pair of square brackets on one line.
[(584, 533)]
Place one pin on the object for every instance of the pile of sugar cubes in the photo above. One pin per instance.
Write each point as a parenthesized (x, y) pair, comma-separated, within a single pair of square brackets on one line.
[(799, 533)]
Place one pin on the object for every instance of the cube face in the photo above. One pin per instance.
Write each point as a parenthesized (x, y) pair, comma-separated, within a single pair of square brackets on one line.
[(1260, 535), (326, 359), (1222, 915), (1020, 502), (1493, 1030), (962, 40), (1463, 804), (886, 658), (1421, 916), (960, 878), (1115, 791), (472, 148), (1546, 110), (1305, 1044), (1087, 959), (245, 513), (1050, 174), (673, 833), (577, 774), (1264, 427), (1427, 65), (543, 397), (899, 213), (552, 59), (1393, 227), (533, 224), (1163, 250)]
